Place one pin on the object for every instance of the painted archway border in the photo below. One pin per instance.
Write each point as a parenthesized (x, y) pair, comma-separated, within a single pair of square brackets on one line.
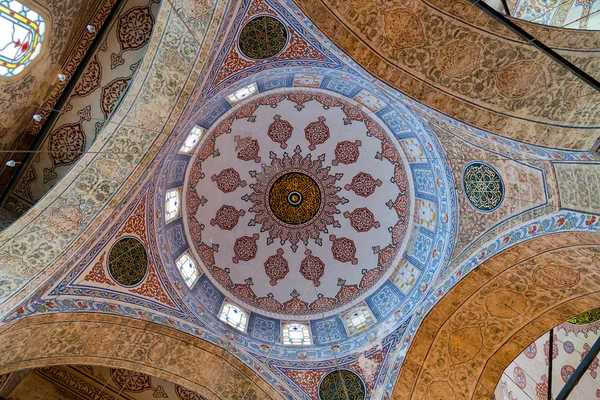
[(119, 342), (467, 340)]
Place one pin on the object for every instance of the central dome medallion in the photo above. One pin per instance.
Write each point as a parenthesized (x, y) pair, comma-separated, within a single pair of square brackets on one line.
[(298, 203), (294, 198)]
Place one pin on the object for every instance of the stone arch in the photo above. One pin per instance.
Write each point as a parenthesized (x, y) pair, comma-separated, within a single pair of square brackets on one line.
[(119, 342), (467, 340)]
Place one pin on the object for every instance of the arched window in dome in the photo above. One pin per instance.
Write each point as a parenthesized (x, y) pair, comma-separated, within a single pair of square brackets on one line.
[(295, 334), (359, 319), (242, 93), (192, 140), (171, 205), (21, 35), (234, 316), (187, 269)]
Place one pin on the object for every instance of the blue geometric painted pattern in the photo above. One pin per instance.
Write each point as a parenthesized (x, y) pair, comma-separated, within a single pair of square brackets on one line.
[(329, 330), (385, 300), (264, 328)]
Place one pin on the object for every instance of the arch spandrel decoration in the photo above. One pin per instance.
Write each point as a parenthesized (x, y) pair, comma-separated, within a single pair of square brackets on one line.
[(547, 280), (119, 342)]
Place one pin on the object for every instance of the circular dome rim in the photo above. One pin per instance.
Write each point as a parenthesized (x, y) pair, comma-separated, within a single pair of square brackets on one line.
[(318, 315)]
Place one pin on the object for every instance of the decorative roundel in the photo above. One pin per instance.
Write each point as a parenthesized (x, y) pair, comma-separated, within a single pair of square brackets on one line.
[(565, 372), (585, 318), (569, 347), (520, 378), (342, 384), (128, 262), (294, 198), (263, 37), (531, 351), (483, 186)]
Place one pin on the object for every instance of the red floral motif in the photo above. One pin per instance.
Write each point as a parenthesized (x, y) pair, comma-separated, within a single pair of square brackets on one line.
[(565, 372), (247, 111), (400, 178), (136, 223), (245, 248), (271, 100), (375, 129), (208, 150), (111, 95), (259, 7), (346, 293), (343, 249), (244, 291), (322, 304), (385, 256), (196, 174), (223, 127), (362, 219), (227, 217), (594, 365), (300, 98), (363, 184), (207, 254), (276, 267), (196, 230), (400, 205), (399, 231), (346, 152), (228, 180), (222, 276), (370, 277), (193, 201), (280, 131), (97, 273), (541, 388), (556, 277), (327, 101), (388, 151), (152, 288), (295, 305), (65, 219), (269, 303), (316, 133), (352, 114), (312, 268), (247, 148), (66, 144)]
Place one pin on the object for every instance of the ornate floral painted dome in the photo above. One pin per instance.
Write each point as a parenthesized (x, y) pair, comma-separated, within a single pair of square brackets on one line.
[(298, 202)]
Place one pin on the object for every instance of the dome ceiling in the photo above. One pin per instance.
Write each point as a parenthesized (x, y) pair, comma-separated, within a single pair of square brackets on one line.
[(298, 202)]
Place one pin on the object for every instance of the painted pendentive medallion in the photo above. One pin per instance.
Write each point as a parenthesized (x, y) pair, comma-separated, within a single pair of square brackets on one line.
[(342, 384), (128, 262), (263, 37), (483, 186)]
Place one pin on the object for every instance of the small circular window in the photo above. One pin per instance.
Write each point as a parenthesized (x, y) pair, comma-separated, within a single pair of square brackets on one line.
[(483, 186), (263, 37), (128, 262)]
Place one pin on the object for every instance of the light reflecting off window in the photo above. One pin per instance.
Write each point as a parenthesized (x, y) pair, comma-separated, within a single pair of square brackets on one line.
[(192, 140), (187, 268), (243, 93), (21, 34), (234, 316), (171, 205), (359, 319), (296, 334)]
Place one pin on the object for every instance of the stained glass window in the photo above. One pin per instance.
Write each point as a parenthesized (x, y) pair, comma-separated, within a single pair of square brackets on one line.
[(359, 319), (296, 334), (171, 205), (242, 93), (187, 268), (192, 139), (234, 316), (21, 34)]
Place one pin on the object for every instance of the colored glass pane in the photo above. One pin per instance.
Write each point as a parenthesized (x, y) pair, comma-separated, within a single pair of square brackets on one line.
[(296, 334), (192, 139), (242, 93), (187, 268), (171, 205), (233, 316), (21, 34), (359, 319)]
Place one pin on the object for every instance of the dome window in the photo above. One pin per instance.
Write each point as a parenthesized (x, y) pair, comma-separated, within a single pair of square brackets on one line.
[(296, 334), (234, 316), (359, 319), (187, 269), (192, 140), (171, 205)]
